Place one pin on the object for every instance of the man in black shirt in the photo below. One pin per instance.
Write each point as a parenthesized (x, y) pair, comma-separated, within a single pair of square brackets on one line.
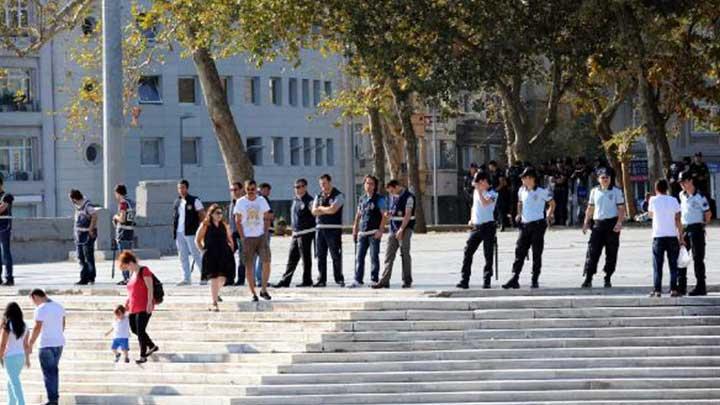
[(6, 201)]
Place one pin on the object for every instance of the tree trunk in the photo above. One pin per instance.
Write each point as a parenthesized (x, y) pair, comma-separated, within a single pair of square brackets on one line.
[(237, 163), (393, 145), (604, 132), (628, 188), (376, 131), (404, 111), (655, 123)]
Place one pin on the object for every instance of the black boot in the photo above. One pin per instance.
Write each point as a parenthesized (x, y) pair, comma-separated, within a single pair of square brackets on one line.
[(682, 281), (608, 284), (588, 281), (486, 282), (463, 285), (535, 283), (512, 283), (699, 290)]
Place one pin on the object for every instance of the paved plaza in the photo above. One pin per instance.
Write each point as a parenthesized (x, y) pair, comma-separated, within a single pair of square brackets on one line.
[(437, 258)]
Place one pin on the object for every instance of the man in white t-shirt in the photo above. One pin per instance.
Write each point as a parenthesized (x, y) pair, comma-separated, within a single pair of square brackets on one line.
[(251, 217), (667, 236), (50, 327)]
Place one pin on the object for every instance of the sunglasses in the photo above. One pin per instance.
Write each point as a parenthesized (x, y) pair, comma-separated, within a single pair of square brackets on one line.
[(235, 189), (217, 213)]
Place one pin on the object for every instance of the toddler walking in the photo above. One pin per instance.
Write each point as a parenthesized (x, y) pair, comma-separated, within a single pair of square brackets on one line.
[(121, 329)]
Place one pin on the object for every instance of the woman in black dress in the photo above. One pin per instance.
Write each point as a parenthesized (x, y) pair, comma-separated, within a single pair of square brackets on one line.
[(215, 240)]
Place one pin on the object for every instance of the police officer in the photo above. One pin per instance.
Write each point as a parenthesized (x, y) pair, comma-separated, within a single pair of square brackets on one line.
[(85, 235), (303, 228), (327, 209), (237, 191), (606, 208), (368, 228), (124, 221), (694, 214), (6, 201), (483, 230), (402, 223), (532, 200)]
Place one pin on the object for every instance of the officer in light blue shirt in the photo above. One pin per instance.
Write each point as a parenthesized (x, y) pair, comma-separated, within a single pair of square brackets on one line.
[(694, 214), (534, 219), (482, 220), (606, 208)]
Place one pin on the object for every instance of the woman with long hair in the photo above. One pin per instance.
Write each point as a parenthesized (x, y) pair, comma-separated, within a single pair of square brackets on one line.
[(215, 240), (140, 302), (14, 351)]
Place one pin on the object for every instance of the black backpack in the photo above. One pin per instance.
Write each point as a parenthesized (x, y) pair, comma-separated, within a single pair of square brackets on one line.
[(158, 290)]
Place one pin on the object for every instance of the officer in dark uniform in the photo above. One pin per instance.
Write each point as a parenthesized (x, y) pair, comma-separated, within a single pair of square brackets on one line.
[(368, 228), (694, 214), (124, 221), (402, 224), (303, 228), (533, 223), (6, 202), (85, 235), (701, 174), (237, 191), (483, 230), (327, 209), (606, 209)]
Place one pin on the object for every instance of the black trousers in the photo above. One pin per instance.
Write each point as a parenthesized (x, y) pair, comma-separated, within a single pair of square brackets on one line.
[(300, 247), (485, 234), (602, 236), (138, 325), (532, 235), (695, 241), (329, 240)]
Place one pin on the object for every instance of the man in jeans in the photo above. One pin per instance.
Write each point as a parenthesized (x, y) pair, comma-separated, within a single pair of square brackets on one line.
[(667, 236), (50, 327), (188, 212), (368, 228), (124, 221), (85, 235)]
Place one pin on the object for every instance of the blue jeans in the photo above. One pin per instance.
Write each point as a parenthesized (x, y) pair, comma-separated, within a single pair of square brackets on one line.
[(49, 361), (13, 367), (365, 242), (86, 259), (258, 265), (665, 246), (124, 245), (7, 259), (186, 247)]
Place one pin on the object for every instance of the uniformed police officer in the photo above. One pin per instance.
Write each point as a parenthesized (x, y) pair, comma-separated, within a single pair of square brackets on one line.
[(124, 221), (6, 202), (85, 235), (402, 224), (694, 214), (483, 225), (368, 228), (606, 208), (327, 208), (303, 235), (533, 221)]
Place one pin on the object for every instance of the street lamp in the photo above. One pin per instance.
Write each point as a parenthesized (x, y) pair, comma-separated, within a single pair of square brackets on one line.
[(112, 98), (182, 119)]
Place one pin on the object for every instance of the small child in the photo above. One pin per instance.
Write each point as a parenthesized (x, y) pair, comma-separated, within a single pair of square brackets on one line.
[(121, 339)]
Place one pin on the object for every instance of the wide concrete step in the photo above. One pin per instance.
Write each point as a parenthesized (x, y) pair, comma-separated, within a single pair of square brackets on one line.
[(182, 347), (199, 304), (259, 365), (129, 373), (485, 396), (79, 398), (139, 389), (548, 291), (83, 355), (486, 375), (200, 325), (597, 312), (229, 336), (229, 316)]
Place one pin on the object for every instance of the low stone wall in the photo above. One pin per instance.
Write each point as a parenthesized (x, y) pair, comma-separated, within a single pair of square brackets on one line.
[(37, 240)]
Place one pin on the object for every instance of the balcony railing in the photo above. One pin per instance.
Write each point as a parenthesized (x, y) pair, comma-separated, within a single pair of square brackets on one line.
[(36, 175), (6, 106)]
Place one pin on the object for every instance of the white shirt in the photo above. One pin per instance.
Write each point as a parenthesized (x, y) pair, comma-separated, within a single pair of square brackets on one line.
[(121, 328), (181, 213), (483, 213), (605, 202), (252, 214), (664, 208), (15, 345), (51, 314), (533, 203)]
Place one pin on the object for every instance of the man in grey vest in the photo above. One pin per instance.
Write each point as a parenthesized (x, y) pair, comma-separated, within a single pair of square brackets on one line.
[(303, 235), (327, 208), (402, 223), (124, 222), (188, 212)]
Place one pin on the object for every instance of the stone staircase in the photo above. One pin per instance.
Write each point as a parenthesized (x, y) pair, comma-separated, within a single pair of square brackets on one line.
[(397, 347)]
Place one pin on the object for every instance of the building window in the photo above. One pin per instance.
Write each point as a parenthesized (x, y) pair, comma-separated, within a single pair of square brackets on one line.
[(254, 150), (278, 153), (295, 151), (88, 26), (319, 151), (305, 93), (307, 151), (276, 90), (328, 89), (149, 91), (151, 152), (19, 158), (252, 90), (16, 92), (93, 153), (16, 14), (448, 155), (330, 152), (316, 93), (227, 85), (148, 30), (186, 90), (191, 151), (292, 92)]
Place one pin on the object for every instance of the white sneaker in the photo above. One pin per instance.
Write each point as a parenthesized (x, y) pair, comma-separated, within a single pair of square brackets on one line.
[(184, 282), (355, 284)]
